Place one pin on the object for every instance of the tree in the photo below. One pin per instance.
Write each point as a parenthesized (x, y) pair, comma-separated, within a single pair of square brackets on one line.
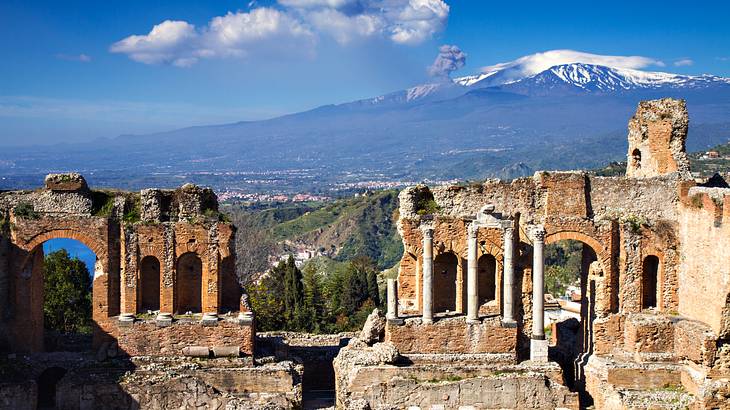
[(313, 301), (293, 296), (67, 294)]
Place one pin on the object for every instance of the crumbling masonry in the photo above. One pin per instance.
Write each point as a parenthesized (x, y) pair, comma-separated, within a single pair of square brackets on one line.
[(465, 320), (165, 297)]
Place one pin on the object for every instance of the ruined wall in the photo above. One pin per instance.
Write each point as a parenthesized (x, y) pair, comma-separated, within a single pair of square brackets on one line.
[(452, 336), (657, 132), (121, 228), (147, 338), (159, 383), (704, 277)]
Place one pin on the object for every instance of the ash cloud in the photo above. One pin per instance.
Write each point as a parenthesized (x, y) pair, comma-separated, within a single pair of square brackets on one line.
[(449, 59)]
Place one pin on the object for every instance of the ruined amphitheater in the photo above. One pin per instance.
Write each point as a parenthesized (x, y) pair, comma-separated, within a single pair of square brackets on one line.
[(465, 324)]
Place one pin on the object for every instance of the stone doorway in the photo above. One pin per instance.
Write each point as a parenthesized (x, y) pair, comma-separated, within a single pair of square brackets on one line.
[(189, 284)]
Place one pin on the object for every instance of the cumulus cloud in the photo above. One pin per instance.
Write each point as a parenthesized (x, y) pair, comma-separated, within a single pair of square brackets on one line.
[(539, 62), (418, 20), (82, 58), (684, 62), (449, 59), (236, 34), (344, 28), (292, 26), (316, 3)]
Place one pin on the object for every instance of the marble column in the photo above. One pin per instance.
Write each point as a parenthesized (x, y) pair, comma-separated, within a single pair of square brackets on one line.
[(472, 280), (508, 279), (427, 307), (538, 344), (392, 300)]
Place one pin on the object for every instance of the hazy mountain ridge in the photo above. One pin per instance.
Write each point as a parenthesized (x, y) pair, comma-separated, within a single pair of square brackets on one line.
[(500, 123)]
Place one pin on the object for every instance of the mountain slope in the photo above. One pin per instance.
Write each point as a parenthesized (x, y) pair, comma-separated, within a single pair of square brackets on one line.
[(512, 119)]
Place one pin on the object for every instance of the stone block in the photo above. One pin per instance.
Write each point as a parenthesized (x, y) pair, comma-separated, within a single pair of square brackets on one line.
[(539, 351), (71, 182), (648, 333)]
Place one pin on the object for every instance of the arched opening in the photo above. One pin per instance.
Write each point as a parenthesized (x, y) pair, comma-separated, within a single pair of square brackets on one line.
[(567, 266), (47, 387), (444, 282), (188, 284), (53, 297), (636, 158), (149, 284), (487, 273), (649, 277)]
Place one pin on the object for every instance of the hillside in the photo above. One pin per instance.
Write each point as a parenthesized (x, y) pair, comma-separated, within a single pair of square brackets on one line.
[(343, 229)]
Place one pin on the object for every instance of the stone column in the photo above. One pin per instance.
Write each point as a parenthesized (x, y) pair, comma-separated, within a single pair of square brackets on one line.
[(392, 300), (508, 284), (427, 275), (472, 284), (538, 344)]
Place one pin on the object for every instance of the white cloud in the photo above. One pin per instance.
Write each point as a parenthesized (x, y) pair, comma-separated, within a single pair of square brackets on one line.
[(240, 34), (684, 62), (539, 62), (418, 20), (344, 28), (168, 42), (292, 27), (316, 3)]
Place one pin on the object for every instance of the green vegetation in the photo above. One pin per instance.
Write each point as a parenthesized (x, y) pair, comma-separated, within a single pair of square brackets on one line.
[(562, 266), (67, 294), (102, 203), (342, 230), (613, 169), (326, 297), (25, 210), (132, 214)]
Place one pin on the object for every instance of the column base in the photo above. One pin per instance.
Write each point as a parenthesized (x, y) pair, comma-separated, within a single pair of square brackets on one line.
[(539, 351), (473, 321), (427, 321), (509, 323)]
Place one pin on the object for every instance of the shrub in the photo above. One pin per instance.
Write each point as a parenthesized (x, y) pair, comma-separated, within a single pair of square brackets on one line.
[(25, 210)]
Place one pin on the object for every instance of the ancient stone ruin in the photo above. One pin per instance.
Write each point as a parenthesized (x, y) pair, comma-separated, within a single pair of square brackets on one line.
[(465, 324), (465, 316), (170, 326)]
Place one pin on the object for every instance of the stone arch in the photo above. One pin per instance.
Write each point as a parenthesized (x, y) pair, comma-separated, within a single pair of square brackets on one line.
[(600, 250), (98, 247), (28, 281), (149, 284), (445, 266), (189, 283)]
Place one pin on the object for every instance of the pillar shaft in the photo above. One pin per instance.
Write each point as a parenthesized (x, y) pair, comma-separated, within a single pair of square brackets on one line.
[(427, 275), (472, 280), (392, 299), (538, 284), (508, 285)]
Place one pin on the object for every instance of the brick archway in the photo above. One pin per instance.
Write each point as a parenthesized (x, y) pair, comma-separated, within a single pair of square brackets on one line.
[(602, 253), (28, 237)]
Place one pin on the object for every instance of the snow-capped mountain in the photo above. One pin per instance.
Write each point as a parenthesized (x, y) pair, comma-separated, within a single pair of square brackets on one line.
[(596, 78)]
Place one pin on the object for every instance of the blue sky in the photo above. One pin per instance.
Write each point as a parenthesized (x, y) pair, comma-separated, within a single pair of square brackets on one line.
[(74, 70), (74, 248)]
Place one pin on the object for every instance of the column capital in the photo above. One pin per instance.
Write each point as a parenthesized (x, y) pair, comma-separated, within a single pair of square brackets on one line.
[(427, 231), (538, 233), (472, 230)]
